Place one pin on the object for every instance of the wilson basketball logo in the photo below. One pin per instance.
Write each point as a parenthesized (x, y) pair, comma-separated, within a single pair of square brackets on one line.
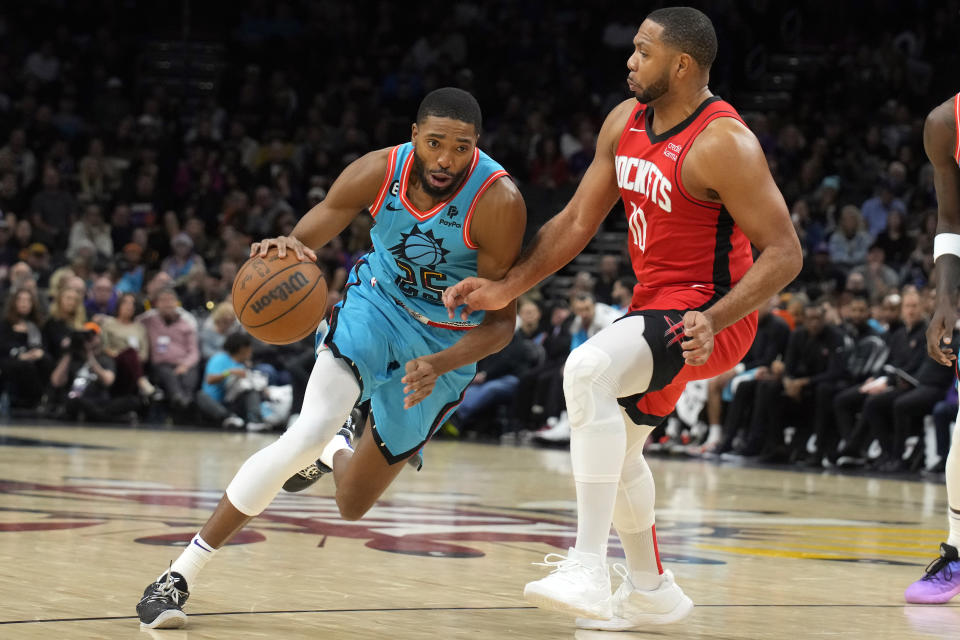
[(283, 291)]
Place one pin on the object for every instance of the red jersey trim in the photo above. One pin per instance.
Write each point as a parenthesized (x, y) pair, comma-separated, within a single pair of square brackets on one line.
[(678, 168), (426, 215), (391, 166), (493, 177), (956, 115)]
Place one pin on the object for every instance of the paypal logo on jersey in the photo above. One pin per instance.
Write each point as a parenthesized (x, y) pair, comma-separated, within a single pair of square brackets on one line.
[(645, 178), (450, 219)]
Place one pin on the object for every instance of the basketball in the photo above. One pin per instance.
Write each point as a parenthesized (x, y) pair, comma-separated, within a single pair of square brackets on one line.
[(279, 300)]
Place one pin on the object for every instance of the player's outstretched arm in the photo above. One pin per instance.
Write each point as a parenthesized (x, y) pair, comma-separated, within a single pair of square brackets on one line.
[(354, 190), (563, 237), (940, 142), (727, 163), (497, 230)]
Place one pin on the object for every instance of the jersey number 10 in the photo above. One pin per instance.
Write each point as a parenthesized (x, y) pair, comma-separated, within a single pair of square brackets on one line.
[(638, 227)]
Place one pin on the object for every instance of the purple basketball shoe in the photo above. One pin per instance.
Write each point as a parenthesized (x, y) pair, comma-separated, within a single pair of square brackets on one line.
[(940, 581)]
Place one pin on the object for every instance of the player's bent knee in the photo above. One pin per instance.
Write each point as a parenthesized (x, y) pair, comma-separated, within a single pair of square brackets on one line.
[(583, 379), (350, 508)]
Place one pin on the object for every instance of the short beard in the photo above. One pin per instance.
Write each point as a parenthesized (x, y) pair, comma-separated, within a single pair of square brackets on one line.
[(655, 90), (421, 170)]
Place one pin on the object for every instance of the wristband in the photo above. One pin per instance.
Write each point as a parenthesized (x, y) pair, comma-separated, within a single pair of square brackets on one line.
[(946, 243)]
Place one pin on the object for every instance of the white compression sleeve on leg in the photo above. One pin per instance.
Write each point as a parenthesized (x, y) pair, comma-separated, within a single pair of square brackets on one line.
[(331, 393), (633, 515)]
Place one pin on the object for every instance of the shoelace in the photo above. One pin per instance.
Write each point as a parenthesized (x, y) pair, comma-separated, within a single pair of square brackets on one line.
[(936, 566), (559, 563), (562, 564), (166, 589)]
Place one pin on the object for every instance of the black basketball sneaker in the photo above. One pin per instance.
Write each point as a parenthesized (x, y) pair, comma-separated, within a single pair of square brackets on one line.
[(311, 473), (161, 606)]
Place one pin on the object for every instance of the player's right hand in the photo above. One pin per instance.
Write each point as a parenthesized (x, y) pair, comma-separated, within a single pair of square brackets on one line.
[(282, 244), (475, 294), (941, 328)]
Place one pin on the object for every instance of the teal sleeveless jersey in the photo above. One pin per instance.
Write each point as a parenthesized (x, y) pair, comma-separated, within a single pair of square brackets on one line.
[(417, 254)]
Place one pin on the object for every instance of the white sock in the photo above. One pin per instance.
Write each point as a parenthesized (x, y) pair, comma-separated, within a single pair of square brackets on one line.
[(716, 433), (336, 444), (192, 560), (643, 558), (954, 517)]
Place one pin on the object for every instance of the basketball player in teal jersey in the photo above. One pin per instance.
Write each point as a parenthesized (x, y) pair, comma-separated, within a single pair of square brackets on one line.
[(941, 140), (442, 212)]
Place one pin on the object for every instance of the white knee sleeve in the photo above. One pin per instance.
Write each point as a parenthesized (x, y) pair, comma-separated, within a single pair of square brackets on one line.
[(597, 437), (585, 384), (331, 393)]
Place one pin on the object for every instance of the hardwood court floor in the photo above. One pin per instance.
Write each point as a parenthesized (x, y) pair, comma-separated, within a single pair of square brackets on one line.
[(88, 516)]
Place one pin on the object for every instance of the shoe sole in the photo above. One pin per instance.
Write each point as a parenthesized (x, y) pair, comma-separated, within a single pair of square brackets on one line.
[(171, 619), (678, 613), (544, 601)]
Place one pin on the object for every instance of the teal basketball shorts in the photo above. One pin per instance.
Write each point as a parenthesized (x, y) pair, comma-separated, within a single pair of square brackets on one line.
[(377, 337)]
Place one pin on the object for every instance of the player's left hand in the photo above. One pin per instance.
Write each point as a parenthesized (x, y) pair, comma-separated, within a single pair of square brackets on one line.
[(420, 379), (698, 343)]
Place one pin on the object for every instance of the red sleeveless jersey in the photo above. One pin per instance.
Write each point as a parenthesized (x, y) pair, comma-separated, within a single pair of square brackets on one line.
[(682, 249)]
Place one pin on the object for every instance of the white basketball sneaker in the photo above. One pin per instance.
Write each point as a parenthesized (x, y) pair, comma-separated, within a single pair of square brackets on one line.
[(579, 584), (635, 610)]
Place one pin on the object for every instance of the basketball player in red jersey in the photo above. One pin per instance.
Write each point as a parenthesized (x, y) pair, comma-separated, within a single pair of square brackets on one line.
[(697, 192), (941, 140)]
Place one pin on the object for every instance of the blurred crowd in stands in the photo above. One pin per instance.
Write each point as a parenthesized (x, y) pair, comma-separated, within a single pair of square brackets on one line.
[(129, 197)]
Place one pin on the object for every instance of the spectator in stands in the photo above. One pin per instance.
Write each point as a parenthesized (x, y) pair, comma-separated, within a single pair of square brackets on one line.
[(125, 340), (24, 359), (37, 258), (590, 317), (226, 366), (7, 254), (933, 381), (131, 271), (91, 229), (879, 279), (183, 258), (102, 299), (878, 208), (907, 350), (738, 386), (21, 158), (850, 242), (887, 318), (174, 351), (221, 322), (895, 241), (53, 210), (67, 315), (540, 391), (84, 377), (622, 293), (820, 276), (498, 375), (787, 398), (609, 272)]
